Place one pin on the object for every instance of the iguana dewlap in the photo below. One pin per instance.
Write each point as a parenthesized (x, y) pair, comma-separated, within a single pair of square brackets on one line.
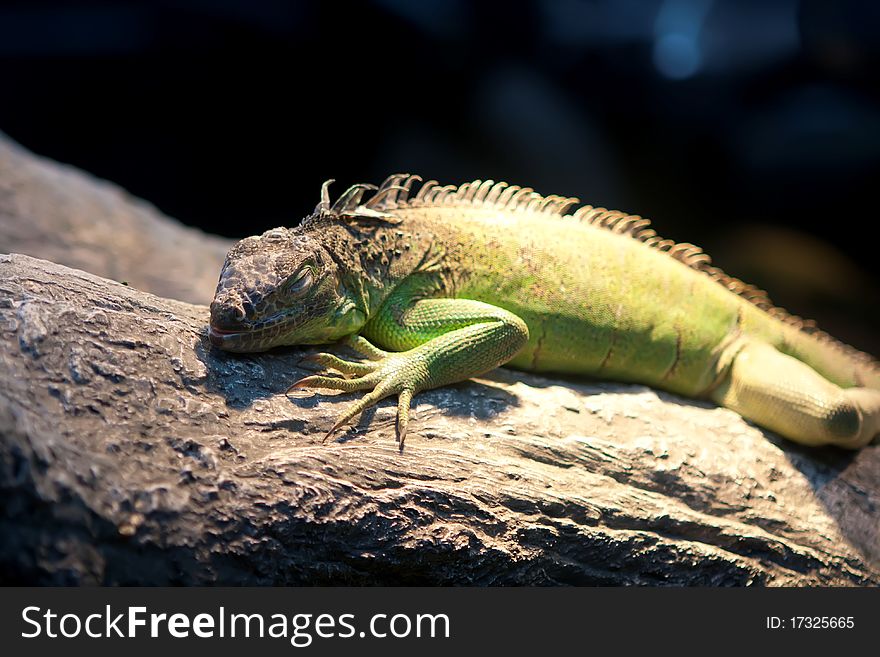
[(454, 281)]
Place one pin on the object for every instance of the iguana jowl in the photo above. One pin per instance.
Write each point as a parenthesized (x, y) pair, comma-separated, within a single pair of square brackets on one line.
[(454, 281)]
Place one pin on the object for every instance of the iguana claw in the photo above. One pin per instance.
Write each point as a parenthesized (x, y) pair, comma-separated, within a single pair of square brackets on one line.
[(388, 374)]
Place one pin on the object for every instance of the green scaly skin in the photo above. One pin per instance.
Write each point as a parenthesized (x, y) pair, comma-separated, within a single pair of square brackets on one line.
[(456, 281)]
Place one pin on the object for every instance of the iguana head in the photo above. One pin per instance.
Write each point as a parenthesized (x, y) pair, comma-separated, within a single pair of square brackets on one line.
[(280, 288)]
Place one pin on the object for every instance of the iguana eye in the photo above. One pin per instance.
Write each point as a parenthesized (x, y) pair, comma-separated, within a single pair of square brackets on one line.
[(301, 283)]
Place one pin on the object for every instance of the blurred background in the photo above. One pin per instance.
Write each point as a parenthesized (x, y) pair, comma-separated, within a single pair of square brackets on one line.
[(749, 127)]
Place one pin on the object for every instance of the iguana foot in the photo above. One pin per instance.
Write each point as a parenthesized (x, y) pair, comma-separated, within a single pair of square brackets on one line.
[(402, 374)]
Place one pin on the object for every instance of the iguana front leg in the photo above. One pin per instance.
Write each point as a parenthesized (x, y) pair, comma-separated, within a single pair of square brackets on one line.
[(435, 342)]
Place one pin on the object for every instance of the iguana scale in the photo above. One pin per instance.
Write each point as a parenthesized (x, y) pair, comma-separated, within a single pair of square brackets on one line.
[(450, 282)]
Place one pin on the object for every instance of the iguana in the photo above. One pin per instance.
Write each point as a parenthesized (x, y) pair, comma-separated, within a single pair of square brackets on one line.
[(450, 282)]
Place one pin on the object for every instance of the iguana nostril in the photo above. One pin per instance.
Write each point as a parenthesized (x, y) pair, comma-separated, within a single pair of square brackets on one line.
[(227, 316)]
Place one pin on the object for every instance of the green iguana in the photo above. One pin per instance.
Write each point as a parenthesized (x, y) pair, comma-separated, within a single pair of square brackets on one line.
[(455, 281)]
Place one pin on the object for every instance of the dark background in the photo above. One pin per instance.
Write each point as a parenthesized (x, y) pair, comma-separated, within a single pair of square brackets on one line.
[(750, 127)]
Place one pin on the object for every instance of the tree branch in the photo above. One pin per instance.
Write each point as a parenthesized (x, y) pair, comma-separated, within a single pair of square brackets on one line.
[(131, 452)]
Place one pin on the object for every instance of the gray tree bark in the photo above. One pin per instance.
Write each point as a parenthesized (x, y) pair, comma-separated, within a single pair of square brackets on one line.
[(131, 452), (134, 453)]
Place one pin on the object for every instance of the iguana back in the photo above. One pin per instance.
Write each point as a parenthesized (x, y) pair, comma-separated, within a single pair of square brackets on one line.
[(602, 295)]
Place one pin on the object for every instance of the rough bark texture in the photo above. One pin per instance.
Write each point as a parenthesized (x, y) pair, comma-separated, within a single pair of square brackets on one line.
[(133, 453), (59, 213)]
